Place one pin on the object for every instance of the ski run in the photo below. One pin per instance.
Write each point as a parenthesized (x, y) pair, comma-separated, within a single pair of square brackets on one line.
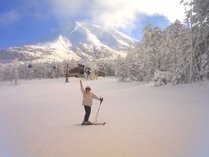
[(42, 118)]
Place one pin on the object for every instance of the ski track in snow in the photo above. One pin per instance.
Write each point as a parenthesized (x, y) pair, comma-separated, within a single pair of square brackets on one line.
[(41, 118)]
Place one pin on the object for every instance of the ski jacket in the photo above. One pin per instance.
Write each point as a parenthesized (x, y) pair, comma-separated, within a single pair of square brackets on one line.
[(88, 97)]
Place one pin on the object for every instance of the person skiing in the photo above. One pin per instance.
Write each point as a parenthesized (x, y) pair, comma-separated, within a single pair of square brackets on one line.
[(87, 102)]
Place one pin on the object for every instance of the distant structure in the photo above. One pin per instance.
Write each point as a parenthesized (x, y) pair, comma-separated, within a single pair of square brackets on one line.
[(85, 72)]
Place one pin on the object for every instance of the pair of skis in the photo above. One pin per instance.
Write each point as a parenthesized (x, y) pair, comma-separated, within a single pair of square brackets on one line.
[(95, 123)]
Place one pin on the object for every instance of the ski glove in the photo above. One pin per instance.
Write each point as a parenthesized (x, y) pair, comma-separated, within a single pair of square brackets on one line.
[(101, 99)]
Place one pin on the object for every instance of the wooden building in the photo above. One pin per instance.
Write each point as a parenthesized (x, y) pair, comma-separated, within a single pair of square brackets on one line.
[(85, 72), (77, 71)]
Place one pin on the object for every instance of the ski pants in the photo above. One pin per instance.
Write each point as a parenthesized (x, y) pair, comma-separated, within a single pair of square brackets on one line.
[(88, 112)]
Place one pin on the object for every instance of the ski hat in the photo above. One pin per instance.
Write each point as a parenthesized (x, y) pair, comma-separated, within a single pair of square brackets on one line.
[(88, 88)]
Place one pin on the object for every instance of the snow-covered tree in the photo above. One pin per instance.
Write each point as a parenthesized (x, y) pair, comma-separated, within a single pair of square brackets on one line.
[(121, 69), (169, 54), (197, 18), (15, 70), (1, 71), (176, 52)]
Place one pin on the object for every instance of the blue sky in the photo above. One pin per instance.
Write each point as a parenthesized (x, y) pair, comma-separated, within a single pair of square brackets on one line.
[(30, 21)]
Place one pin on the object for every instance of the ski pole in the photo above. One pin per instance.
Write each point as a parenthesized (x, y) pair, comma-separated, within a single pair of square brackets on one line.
[(96, 117)]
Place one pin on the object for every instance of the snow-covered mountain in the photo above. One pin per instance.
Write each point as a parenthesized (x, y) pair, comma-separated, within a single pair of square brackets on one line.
[(76, 41)]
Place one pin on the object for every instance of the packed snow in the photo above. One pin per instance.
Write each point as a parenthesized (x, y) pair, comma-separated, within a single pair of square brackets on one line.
[(41, 118)]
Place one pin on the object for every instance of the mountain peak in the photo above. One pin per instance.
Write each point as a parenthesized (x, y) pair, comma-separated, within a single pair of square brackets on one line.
[(77, 23), (75, 41)]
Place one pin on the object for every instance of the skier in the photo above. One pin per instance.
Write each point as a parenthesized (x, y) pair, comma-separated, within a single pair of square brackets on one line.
[(88, 97)]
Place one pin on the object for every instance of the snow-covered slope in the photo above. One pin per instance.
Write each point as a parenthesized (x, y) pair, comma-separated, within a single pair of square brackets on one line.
[(86, 43), (111, 37), (40, 118), (58, 50), (77, 41)]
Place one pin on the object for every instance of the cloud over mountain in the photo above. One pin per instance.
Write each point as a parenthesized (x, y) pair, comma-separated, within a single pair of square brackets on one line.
[(117, 13)]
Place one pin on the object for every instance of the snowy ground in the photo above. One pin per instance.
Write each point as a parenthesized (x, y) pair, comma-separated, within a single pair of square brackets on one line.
[(41, 118)]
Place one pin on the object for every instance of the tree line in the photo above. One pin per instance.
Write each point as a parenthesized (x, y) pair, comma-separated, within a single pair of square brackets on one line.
[(178, 54)]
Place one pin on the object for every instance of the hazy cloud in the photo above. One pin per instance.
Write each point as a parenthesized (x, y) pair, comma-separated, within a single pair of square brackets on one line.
[(9, 17), (70, 8), (116, 13), (120, 13)]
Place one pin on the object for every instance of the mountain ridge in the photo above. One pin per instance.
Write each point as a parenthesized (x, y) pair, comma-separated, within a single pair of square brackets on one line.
[(78, 41)]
